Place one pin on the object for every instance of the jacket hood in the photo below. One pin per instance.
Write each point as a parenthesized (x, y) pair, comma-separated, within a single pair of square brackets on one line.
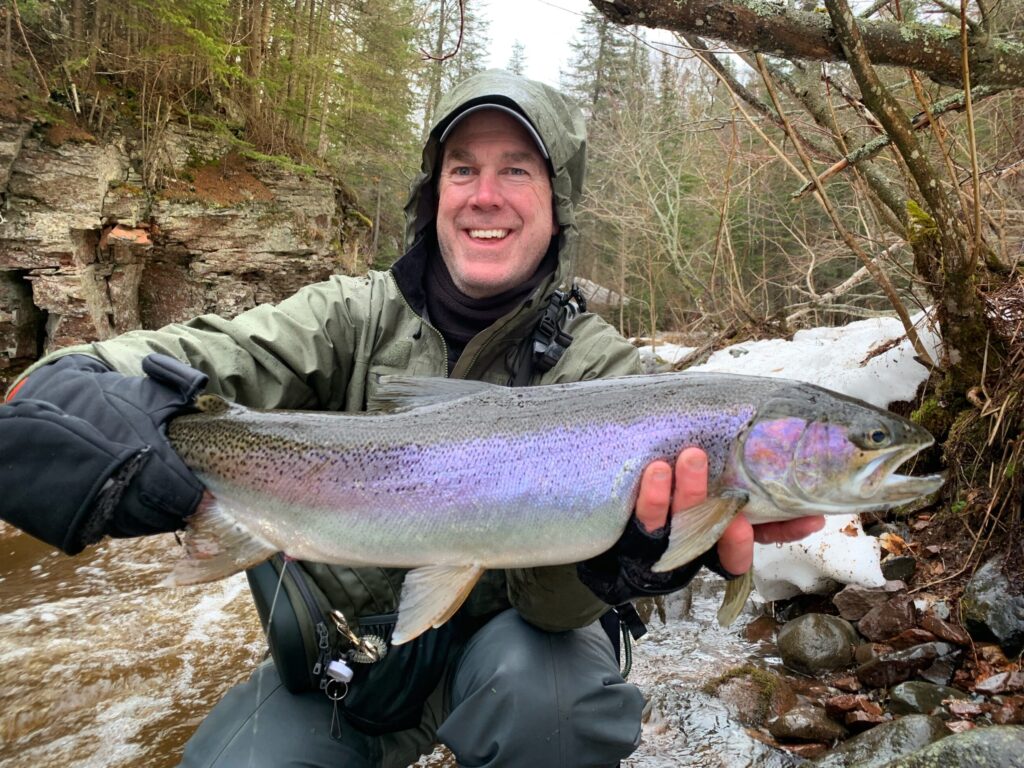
[(558, 121)]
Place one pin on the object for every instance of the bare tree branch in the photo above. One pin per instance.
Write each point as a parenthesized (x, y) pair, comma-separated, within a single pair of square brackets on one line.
[(873, 268), (779, 30), (953, 103)]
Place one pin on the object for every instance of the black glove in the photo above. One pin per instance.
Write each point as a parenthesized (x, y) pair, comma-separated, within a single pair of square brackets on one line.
[(624, 573), (83, 452)]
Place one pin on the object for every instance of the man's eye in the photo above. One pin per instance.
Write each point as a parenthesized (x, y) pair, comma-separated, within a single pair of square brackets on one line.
[(461, 170), (518, 172)]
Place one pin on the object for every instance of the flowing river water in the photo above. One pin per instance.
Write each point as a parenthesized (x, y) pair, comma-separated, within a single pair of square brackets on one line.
[(100, 666)]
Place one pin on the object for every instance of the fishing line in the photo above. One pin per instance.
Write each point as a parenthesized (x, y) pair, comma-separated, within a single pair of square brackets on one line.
[(259, 681)]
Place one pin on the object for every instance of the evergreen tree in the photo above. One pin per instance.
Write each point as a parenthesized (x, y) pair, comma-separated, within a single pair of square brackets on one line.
[(454, 37), (600, 66), (517, 61)]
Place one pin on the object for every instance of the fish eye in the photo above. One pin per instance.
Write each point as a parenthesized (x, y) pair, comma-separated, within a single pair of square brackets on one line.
[(878, 437)]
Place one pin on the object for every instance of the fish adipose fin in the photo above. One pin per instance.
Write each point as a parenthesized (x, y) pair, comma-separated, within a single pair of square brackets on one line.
[(736, 593), (430, 596), (397, 393), (695, 530), (216, 546)]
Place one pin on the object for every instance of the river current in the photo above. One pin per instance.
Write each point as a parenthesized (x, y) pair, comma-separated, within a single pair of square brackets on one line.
[(102, 667)]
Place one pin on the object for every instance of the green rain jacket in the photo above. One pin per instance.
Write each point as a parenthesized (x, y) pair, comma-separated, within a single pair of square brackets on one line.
[(324, 348)]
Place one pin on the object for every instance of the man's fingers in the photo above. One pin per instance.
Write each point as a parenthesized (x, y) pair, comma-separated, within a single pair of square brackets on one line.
[(788, 530), (655, 493), (736, 547), (691, 479)]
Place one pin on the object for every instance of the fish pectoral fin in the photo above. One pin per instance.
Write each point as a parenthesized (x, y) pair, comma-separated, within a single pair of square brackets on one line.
[(695, 530), (216, 546), (430, 596), (736, 593)]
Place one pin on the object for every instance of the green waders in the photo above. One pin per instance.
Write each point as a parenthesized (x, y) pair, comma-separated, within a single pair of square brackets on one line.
[(513, 696)]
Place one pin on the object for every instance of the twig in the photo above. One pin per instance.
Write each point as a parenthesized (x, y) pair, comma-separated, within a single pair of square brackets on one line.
[(972, 138), (952, 103), (872, 9), (458, 43), (957, 13), (876, 272), (829, 297), (28, 49)]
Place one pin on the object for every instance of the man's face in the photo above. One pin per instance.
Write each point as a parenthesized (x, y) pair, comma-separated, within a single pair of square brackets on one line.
[(494, 214)]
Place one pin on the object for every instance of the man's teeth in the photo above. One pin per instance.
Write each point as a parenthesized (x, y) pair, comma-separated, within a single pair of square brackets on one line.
[(488, 234)]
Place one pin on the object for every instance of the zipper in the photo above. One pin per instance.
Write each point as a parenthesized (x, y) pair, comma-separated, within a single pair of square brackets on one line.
[(440, 336), (319, 623)]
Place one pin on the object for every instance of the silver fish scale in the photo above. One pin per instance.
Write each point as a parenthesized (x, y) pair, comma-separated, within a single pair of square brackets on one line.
[(504, 477)]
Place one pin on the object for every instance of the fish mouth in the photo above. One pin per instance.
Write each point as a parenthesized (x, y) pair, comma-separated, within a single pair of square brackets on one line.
[(879, 482)]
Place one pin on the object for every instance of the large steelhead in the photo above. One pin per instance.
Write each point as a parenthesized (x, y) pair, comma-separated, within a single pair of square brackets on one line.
[(451, 477)]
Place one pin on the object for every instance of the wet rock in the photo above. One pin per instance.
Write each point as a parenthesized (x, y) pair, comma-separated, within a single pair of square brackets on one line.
[(898, 666), (911, 637), (889, 619), (806, 723), (857, 713), (1008, 710), (1004, 682), (849, 684), (899, 567), (997, 747), (916, 697), (885, 742), (752, 696), (942, 671), (866, 652), (816, 642), (994, 608), (807, 751), (861, 721), (965, 710), (853, 601), (943, 630)]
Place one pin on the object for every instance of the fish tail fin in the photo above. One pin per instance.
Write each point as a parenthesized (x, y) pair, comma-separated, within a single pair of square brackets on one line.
[(736, 593), (216, 546)]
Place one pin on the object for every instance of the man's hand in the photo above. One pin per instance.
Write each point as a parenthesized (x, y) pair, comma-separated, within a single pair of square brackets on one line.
[(736, 547), (83, 451), (624, 571)]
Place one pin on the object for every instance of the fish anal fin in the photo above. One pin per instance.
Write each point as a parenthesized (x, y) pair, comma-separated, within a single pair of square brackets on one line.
[(216, 546), (695, 530), (430, 596), (736, 593)]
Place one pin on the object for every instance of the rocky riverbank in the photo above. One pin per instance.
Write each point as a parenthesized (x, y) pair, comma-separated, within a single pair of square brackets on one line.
[(901, 675)]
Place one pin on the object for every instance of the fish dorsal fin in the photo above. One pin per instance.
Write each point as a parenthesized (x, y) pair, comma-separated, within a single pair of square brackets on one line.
[(695, 530), (430, 596), (736, 593), (397, 393)]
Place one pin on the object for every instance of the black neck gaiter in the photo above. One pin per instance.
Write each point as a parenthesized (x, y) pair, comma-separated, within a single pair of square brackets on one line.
[(459, 317)]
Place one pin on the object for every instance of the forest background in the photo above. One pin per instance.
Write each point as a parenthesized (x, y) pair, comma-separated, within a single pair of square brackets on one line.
[(764, 167)]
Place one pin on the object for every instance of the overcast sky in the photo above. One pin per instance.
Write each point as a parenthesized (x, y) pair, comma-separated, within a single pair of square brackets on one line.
[(544, 27)]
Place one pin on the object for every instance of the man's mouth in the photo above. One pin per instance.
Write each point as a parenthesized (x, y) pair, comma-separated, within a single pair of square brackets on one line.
[(488, 234)]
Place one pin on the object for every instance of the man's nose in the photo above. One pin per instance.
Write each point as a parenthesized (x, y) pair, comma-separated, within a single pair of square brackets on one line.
[(487, 193)]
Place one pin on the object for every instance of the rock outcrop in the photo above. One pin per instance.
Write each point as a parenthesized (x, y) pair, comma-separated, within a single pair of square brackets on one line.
[(87, 251)]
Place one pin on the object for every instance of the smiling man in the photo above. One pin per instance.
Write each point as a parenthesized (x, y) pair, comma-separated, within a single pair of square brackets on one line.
[(495, 218), (524, 674)]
